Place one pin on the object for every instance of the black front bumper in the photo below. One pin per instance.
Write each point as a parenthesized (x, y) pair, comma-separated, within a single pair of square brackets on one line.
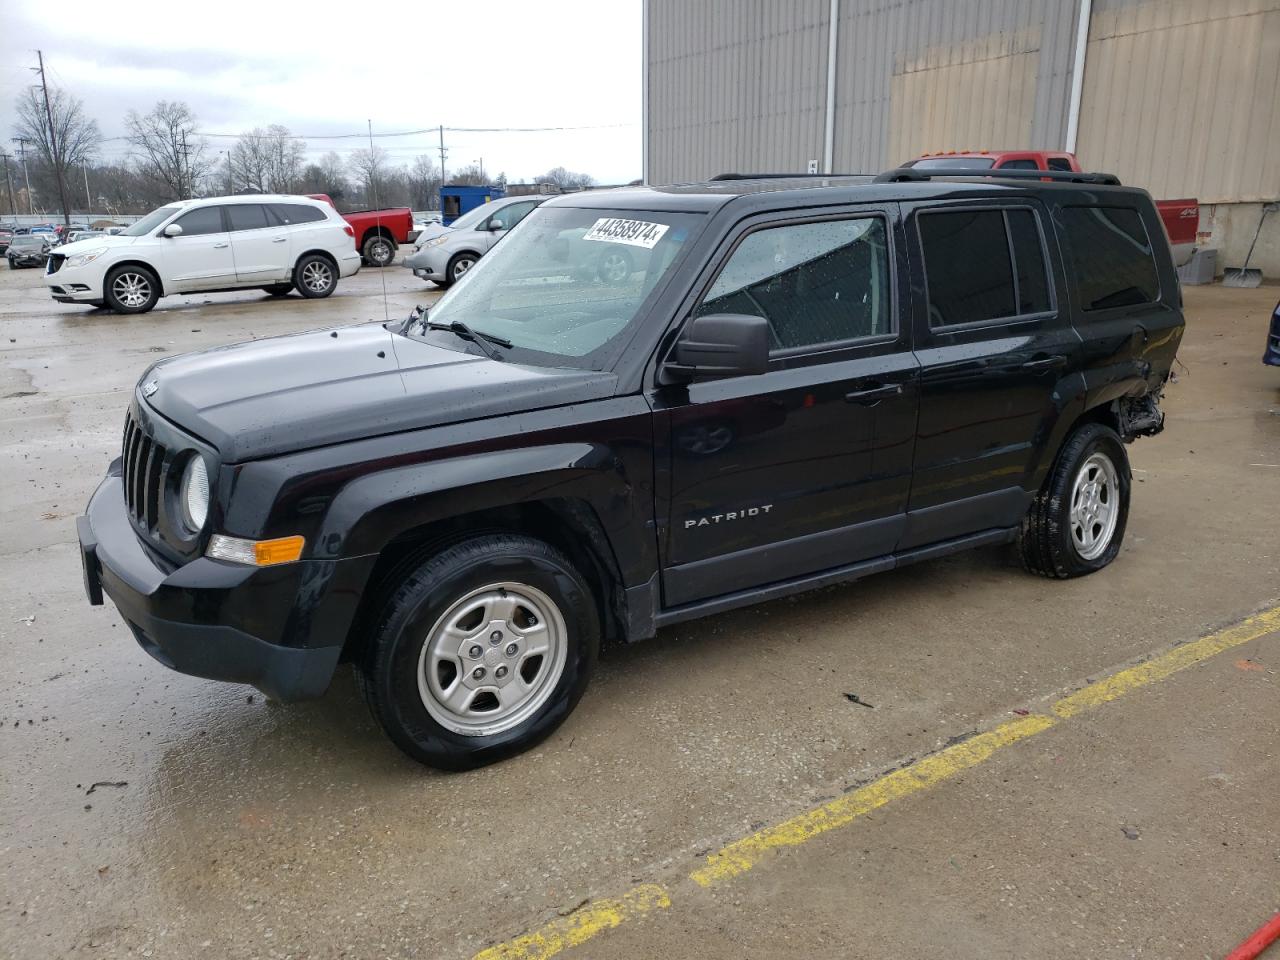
[(1271, 355), (212, 619)]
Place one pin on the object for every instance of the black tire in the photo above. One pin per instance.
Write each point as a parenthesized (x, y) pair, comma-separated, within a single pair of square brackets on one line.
[(315, 276), (279, 289), (459, 264), (130, 288), (1050, 540), (388, 667), (379, 251)]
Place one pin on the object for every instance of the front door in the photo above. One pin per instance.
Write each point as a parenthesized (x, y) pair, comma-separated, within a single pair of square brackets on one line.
[(260, 243), (993, 346), (806, 467), (200, 257)]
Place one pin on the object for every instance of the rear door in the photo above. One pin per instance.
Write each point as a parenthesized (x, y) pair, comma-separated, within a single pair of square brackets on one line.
[(993, 345), (807, 467), (200, 257), (260, 242)]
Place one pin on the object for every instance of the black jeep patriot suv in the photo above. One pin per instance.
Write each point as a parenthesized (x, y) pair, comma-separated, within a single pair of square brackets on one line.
[(788, 382)]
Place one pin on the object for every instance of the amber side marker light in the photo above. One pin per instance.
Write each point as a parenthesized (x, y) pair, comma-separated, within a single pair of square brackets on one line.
[(257, 553)]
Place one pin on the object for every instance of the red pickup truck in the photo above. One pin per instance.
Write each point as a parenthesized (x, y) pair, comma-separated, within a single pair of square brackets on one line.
[(1181, 218), (377, 232)]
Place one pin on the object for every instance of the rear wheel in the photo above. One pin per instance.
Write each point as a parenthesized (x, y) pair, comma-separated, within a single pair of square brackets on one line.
[(379, 251), (279, 289), (481, 652), (315, 276), (1076, 522), (131, 289)]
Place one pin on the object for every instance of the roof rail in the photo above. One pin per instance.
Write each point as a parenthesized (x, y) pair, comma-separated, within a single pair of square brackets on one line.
[(782, 176), (901, 174)]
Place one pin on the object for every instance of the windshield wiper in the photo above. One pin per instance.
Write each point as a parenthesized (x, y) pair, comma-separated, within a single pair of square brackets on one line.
[(466, 333)]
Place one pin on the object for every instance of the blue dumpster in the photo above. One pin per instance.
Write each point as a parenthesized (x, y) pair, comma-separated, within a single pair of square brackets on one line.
[(456, 199)]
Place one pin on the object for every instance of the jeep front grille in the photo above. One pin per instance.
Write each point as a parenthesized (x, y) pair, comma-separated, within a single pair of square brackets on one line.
[(144, 461)]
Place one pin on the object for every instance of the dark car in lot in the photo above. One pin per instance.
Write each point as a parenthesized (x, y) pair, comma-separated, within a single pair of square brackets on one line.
[(29, 250), (796, 382)]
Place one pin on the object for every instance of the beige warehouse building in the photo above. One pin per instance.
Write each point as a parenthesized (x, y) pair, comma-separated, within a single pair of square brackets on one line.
[(1179, 96)]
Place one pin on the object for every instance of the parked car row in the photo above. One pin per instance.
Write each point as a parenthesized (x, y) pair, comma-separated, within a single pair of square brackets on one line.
[(450, 252)]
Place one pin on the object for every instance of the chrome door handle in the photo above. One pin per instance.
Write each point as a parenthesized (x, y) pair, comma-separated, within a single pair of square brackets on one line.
[(1045, 363), (219, 246), (279, 239), (874, 394)]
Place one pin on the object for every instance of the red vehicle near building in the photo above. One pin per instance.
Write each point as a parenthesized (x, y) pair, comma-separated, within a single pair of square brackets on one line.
[(1181, 218), (377, 232)]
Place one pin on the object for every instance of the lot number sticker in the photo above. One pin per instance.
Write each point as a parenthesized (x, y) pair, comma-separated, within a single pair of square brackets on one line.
[(635, 233)]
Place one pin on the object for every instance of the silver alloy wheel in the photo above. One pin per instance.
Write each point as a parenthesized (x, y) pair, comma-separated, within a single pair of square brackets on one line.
[(380, 252), (317, 275), (462, 266), (493, 659), (131, 289), (1095, 506), (613, 268)]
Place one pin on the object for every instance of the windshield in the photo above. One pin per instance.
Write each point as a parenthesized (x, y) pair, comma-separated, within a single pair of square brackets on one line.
[(469, 219), (32, 240), (565, 285), (150, 222), (954, 163)]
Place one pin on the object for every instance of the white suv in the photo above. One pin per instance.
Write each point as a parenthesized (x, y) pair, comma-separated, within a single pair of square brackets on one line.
[(278, 243)]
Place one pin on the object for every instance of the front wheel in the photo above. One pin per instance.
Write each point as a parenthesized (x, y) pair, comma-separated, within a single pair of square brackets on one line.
[(481, 652), (131, 289), (1076, 522), (315, 277), (379, 251), (458, 267)]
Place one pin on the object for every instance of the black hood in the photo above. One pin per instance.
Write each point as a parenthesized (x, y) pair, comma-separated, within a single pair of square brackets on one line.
[(268, 397)]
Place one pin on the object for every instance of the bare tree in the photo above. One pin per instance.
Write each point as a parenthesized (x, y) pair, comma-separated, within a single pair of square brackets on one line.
[(469, 176), (424, 184), (267, 161), (75, 135), (168, 148), (369, 168), (564, 179)]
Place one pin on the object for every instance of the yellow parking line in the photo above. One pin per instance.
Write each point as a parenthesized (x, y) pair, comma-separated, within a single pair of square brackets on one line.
[(579, 927), (1118, 684), (742, 855)]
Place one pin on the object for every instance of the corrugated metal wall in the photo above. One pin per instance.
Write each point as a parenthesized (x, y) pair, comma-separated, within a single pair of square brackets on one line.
[(735, 85), (1181, 96)]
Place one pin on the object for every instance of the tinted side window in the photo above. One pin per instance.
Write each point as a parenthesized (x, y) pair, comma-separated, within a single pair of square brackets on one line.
[(1059, 163), (1028, 258), (517, 212), (1019, 165), (247, 216), (293, 213), (1111, 257), (967, 267), (203, 221), (815, 283)]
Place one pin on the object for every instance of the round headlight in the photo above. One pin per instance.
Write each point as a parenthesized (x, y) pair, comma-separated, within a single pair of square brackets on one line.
[(195, 494)]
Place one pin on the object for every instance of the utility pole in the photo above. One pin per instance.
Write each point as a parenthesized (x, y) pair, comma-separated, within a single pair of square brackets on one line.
[(13, 209), (88, 197), (26, 174), (53, 143)]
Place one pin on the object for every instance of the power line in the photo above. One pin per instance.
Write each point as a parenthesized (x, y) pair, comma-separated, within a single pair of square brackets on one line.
[(403, 133)]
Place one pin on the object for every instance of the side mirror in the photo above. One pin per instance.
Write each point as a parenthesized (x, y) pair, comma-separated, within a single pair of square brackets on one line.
[(721, 345), (173, 230), (496, 225)]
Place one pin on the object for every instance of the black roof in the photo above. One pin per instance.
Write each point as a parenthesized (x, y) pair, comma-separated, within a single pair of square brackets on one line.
[(708, 196)]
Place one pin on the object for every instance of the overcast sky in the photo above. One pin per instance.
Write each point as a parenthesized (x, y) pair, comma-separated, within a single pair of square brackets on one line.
[(325, 67)]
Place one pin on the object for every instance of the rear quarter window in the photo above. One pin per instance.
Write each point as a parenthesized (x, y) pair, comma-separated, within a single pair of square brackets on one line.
[(289, 214), (1110, 257)]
